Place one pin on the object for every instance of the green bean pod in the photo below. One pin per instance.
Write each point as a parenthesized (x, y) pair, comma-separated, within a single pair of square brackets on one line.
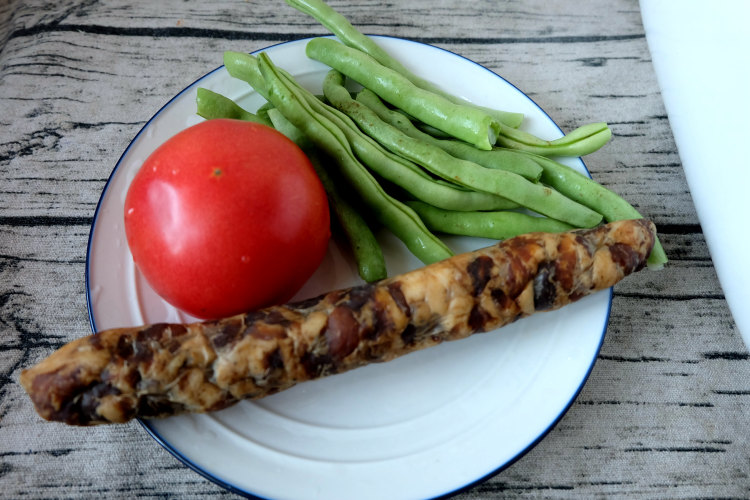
[(245, 67), (397, 217), (492, 225), (581, 141), (349, 35), (462, 122), (502, 159), (212, 105), (280, 123), (365, 247), (536, 197), (581, 188)]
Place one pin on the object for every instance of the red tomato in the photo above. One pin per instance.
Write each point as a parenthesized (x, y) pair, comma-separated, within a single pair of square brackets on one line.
[(225, 217)]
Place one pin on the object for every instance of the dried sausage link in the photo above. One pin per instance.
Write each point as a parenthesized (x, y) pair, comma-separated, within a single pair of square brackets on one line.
[(165, 369)]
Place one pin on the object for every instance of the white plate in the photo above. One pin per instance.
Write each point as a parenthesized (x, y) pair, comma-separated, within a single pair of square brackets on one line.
[(428, 424)]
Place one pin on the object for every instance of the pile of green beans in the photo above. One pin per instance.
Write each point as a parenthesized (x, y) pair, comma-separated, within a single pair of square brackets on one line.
[(402, 154), (531, 195), (297, 106)]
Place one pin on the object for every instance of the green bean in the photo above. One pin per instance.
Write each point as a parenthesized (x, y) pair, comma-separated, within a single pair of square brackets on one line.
[(365, 247), (492, 225), (245, 67), (342, 28), (581, 141), (497, 158), (280, 123), (462, 122), (399, 218), (536, 197), (581, 188), (212, 105), (400, 171)]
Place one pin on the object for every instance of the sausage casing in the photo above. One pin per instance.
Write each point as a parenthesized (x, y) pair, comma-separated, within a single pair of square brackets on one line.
[(165, 369)]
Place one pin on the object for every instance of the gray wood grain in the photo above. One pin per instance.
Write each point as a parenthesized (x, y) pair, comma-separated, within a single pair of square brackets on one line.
[(665, 412)]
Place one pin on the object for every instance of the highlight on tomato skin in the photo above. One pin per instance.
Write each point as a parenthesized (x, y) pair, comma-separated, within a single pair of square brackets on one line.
[(225, 217)]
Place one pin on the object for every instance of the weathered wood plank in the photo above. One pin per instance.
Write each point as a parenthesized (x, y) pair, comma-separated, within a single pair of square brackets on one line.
[(142, 86)]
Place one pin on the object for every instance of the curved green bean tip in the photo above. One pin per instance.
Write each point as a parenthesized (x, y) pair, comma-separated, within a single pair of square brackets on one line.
[(583, 132), (590, 193), (581, 141)]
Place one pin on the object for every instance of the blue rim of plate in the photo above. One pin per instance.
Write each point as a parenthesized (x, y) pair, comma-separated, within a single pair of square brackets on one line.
[(239, 491)]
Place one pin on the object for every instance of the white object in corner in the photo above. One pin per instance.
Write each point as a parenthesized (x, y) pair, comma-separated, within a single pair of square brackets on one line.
[(700, 52)]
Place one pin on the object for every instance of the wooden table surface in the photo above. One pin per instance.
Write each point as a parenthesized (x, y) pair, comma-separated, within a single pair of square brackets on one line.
[(665, 412)]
